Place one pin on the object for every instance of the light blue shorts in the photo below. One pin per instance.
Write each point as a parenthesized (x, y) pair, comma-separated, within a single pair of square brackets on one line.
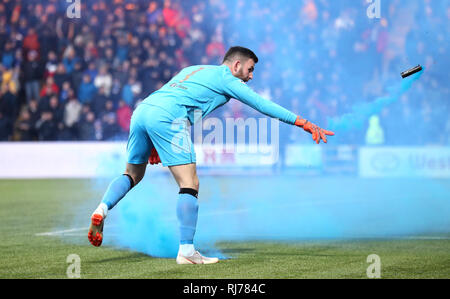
[(153, 126)]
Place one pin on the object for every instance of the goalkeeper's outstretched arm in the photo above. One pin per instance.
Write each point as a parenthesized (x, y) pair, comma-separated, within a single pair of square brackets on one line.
[(240, 91)]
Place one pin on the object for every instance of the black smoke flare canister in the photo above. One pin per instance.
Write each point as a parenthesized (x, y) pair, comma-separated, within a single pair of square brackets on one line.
[(411, 71)]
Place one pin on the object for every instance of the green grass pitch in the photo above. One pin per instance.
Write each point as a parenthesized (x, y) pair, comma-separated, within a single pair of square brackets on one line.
[(30, 207)]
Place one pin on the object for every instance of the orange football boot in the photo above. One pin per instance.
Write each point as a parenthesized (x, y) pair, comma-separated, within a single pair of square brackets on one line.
[(95, 234)]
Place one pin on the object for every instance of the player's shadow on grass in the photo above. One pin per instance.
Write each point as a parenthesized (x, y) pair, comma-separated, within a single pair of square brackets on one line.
[(132, 257), (236, 250)]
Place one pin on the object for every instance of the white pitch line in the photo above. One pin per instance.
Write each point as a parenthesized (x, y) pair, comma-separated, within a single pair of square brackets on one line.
[(62, 232), (75, 232), (68, 232), (79, 234)]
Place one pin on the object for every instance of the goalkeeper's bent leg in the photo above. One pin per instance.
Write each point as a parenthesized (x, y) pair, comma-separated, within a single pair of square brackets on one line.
[(118, 188)]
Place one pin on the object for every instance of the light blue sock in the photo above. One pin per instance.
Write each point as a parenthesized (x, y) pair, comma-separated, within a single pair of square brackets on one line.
[(118, 188), (187, 211)]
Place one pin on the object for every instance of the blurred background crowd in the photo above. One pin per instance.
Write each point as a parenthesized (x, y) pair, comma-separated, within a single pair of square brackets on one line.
[(66, 78)]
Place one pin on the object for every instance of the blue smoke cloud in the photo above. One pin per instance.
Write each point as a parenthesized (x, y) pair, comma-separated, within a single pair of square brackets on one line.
[(361, 112), (278, 208)]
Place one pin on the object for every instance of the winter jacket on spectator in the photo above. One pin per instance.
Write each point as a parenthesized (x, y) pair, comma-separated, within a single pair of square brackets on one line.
[(25, 126), (69, 63), (116, 90), (32, 69), (127, 94), (124, 116), (58, 112), (87, 127), (108, 119), (7, 115), (98, 102), (8, 104), (91, 71), (51, 65), (5, 127), (49, 89), (153, 12), (33, 110), (46, 126), (10, 80), (215, 49), (72, 112), (8, 56), (61, 76), (87, 90), (171, 16), (77, 77), (31, 41), (65, 93), (103, 79)]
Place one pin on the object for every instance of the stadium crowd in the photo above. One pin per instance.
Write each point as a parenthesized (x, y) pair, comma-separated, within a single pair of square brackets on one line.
[(80, 78)]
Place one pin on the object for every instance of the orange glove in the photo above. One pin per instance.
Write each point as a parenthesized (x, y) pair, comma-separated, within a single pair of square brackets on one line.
[(317, 133), (154, 157)]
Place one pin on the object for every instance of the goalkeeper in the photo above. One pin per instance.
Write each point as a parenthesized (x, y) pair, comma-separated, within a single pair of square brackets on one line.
[(159, 133)]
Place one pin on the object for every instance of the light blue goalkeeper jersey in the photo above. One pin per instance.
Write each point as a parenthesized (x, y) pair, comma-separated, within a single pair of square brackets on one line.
[(205, 88)]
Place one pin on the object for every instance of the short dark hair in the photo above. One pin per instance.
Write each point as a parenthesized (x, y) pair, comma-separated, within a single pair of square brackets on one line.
[(233, 52)]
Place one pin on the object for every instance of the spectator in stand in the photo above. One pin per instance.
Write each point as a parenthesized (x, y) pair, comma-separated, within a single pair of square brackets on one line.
[(60, 76), (99, 101), (77, 76), (122, 49), (87, 127), (25, 126), (87, 90), (8, 102), (7, 111), (18, 63), (46, 126), (109, 59), (7, 57), (91, 51), (109, 121), (116, 89), (65, 93), (72, 115), (91, 70), (103, 80), (58, 115), (128, 93), (32, 72), (70, 59), (123, 118), (50, 88), (9, 77), (5, 127), (51, 65), (31, 41), (154, 12), (216, 49), (33, 110), (123, 72)]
